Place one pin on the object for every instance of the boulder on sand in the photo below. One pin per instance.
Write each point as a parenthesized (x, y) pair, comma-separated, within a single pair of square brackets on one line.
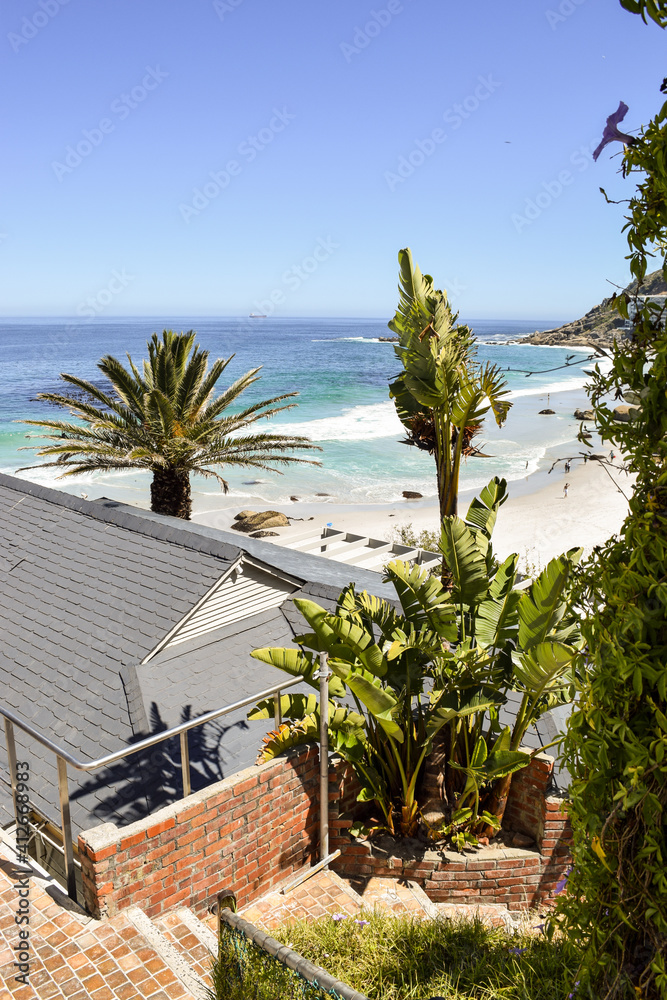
[(584, 414), (410, 495), (266, 519), (264, 534), (625, 413), (546, 411), (242, 514)]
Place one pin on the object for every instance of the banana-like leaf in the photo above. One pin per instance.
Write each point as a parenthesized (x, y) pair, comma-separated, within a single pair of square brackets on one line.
[(316, 617), (360, 642), (487, 766), (546, 668), (465, 561), (292, 706), (296, 663), (424, 601), (505, 578), (544, 604), (368, 689), (459, 705), (483, 510), (497, 620)]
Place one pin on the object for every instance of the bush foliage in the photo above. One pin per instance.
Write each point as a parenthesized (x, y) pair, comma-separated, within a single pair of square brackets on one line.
[(616, 903)]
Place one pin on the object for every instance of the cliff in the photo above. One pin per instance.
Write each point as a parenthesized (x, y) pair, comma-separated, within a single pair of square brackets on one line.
[(601, 324)]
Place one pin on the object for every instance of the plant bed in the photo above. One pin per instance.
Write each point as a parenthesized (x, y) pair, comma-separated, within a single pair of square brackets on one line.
[(501, 872)]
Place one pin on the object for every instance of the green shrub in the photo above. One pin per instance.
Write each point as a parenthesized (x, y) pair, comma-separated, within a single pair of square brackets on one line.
[(616, 904)]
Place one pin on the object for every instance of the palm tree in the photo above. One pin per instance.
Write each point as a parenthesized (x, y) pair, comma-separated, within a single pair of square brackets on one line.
[(164, 419), (442, 394)]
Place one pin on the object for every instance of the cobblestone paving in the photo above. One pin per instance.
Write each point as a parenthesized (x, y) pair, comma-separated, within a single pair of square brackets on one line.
[(73, 956)]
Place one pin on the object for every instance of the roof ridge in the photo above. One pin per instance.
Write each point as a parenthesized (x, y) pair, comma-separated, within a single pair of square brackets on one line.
[(113, 512)]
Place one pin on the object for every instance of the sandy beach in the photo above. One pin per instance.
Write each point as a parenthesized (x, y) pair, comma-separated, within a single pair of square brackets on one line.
[(537, 521)]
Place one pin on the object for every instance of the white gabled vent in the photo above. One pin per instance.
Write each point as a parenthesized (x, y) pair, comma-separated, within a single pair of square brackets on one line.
[(244, 593)]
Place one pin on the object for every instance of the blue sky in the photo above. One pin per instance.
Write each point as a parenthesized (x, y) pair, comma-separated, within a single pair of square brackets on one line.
[(219, 157)]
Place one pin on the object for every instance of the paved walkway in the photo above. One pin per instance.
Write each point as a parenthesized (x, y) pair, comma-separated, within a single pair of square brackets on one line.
[(74, 957)]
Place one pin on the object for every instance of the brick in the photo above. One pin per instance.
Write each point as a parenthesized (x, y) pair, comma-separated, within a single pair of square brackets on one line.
[(158, 828)]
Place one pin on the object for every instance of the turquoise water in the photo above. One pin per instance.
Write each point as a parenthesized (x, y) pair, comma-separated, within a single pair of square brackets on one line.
[(340, 369)]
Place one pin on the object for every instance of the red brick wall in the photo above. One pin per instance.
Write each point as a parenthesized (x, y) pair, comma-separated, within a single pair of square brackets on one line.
[(512, 876), (251, 831), (243, 834)]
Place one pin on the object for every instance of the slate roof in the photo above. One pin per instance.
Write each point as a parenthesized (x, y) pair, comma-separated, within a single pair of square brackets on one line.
[(87, 592)]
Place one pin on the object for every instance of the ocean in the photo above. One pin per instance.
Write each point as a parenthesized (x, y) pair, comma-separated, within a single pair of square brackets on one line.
[(340, 369)]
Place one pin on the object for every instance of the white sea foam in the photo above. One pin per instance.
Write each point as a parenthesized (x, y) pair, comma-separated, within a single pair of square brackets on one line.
[(359, 423), (337, 340)]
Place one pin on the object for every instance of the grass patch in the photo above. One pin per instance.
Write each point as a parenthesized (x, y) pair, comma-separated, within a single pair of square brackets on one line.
[(399, 958)]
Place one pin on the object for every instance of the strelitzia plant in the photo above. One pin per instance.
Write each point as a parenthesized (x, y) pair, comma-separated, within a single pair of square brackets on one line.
[(438, 664)]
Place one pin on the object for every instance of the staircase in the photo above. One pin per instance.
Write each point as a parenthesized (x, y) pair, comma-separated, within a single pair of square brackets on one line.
[(75, 957)]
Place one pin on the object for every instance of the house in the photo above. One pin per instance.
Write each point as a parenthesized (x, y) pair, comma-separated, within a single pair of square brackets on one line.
[(116, 624)]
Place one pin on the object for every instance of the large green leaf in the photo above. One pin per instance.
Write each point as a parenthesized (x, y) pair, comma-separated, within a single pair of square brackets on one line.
[(292, 706), (465, 561), (459, 705), (544, 604), (424, 600), (483, 510), (497, 620), (360, 642), (545, 669), (296, 663), (370, 692)]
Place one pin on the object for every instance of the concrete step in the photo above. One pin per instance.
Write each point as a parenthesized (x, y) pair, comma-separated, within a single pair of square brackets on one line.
[(395, 897), (73, 956), (194, 939)]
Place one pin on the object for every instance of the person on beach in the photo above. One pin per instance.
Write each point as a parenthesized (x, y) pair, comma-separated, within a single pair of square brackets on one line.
[(567, 467), (565, 489)]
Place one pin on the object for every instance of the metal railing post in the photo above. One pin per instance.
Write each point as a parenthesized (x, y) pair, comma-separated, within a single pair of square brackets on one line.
[(277, 711), (185, 764), (324, 674), (66, 821), (11, 758)]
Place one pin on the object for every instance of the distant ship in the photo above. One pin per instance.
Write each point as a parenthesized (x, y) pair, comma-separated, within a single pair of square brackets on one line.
[(257, 316)]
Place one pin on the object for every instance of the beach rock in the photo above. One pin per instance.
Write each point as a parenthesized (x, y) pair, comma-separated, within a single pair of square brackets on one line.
[(295, 499), (410, 495), (322, 494), (625, 413), (388, 340), (242, 514), (547, 411), (267, 519), (584, 415), (265, 534)]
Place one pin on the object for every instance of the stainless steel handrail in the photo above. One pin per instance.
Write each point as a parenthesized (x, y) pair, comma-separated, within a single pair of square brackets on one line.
[(64, 757)]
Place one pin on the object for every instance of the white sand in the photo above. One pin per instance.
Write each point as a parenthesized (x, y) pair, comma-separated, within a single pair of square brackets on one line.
[(538, 525)]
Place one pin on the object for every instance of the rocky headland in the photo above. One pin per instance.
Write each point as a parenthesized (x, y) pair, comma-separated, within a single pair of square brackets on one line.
[(601, 325)]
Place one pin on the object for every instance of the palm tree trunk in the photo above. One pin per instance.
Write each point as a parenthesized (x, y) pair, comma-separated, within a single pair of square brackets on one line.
[(170, 493)]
